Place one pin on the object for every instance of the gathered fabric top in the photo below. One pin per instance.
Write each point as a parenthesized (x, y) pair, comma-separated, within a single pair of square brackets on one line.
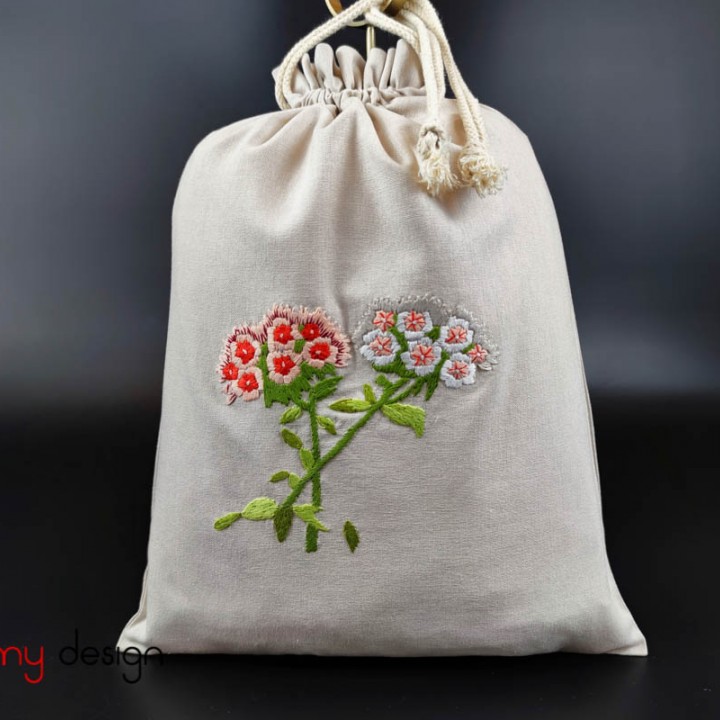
[(334, 77)]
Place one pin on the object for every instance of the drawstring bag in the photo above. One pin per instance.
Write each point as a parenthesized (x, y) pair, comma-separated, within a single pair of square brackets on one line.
[(375, 433)]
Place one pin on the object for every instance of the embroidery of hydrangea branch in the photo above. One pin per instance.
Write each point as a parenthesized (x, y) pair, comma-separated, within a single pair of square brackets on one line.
[(292, 358)]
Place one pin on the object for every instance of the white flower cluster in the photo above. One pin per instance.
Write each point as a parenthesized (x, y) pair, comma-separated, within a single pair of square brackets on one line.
[(411, 338)]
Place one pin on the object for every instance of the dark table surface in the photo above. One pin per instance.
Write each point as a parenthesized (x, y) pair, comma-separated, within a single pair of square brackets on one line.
[(75, 517)]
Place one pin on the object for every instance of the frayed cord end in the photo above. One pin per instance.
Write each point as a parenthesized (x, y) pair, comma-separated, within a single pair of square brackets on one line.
[(479, 170), (433, 152)]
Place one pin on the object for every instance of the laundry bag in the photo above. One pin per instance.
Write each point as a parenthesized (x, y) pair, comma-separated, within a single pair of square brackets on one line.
[(375, 434)]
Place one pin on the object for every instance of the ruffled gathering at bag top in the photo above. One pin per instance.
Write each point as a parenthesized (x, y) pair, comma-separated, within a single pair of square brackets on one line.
[(334, 77)]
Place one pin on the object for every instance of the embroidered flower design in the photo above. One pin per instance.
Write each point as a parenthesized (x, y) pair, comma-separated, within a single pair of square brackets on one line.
[(249, 384), (484, 357), (459, 370), (414, 324), (384, 320), (380, 347), (456, 335), (318, 352), (310, 331), (245, 350), (422, 356), (292, 357), (229, 371), (282, 333), (283, 366)]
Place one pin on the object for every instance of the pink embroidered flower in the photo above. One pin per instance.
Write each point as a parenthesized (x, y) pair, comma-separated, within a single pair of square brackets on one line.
[(245, 350), (242, 351), (249, 385), (414, 324), (380, 347), (319, 352), (478, 354), (459, 370), (229, 371), (456, 335), (422, 356), (310, 331), (384, 320), (282, 333), (283, 366)]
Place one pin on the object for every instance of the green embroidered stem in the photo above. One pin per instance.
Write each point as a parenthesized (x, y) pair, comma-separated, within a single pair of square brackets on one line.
[(311, 533), (385, 399), (315, 434)]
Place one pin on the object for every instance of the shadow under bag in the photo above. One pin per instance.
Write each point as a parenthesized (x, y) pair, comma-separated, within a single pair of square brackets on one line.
[(376, 436)]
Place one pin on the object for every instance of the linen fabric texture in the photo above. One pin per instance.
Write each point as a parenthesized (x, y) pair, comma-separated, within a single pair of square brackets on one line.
[(483, 537)]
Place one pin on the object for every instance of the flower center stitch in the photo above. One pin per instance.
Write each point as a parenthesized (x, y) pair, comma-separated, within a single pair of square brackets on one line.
[(283, 364), (310, 331), (283, 334), (230, 371), (414, 321), (423, 355), (248, 382), (456, 335), (381, 346), (245, 351)]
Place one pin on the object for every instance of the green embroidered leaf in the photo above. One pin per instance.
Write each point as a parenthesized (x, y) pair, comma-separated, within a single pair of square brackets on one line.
[(383, 381), (325, 388), (307, 459), (352, 536), (350, 405), (307, 514), (227, 520), (280, 476), (294, 480), (262, 508), (283, 522), (291, 439), (299, 345), (369, 394), (434, 334), (327, 424), (291, 414), (407, 415)]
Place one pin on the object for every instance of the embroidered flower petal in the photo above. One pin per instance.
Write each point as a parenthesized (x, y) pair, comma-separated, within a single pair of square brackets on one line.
[(459, 370), (380, 348)]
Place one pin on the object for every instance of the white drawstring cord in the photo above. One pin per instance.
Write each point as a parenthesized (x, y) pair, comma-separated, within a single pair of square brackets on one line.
[(477, 167), (419, 25), (433, 147)]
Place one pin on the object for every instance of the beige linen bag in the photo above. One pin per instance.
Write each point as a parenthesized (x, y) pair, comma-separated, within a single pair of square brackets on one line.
[(375, 434)]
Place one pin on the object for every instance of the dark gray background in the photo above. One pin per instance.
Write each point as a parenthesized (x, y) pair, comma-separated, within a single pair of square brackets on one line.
[(102, 101)]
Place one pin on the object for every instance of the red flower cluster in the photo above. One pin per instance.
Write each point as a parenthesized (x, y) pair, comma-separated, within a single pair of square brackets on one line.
[(286, 338)]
